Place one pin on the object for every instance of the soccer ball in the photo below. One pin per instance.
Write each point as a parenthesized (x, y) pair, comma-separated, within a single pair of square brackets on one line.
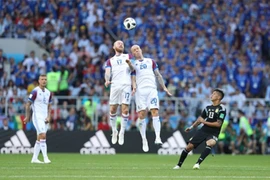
[(129, 23)]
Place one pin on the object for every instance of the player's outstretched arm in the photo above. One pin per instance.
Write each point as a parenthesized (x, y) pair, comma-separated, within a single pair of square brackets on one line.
[(195, 124), (107, 76), (130, 65), (27, 112), (161, 82)]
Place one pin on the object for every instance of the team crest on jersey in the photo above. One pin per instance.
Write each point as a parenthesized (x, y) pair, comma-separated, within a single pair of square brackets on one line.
[(216, 111)]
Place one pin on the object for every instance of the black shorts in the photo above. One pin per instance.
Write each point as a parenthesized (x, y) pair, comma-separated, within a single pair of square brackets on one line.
[(201, 136)]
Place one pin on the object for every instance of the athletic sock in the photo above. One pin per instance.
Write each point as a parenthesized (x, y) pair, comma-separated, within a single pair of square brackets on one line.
[(113, 122), (43, 147), (36, 150), (182, 157), (204, 154), (157, 126), (124, 121), (142, 128)]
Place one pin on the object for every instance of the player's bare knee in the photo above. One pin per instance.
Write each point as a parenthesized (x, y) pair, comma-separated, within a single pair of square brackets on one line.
[(125, 109), (113, 109), (154, 112), (211, 142), (142, 114), (189, 147), (42, 136)]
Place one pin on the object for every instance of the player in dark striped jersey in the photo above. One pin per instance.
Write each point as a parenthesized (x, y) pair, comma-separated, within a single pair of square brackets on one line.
[(212, 118)]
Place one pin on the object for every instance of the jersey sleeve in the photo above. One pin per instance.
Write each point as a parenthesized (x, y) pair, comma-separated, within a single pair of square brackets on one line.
[(222, 114), (32, 96), (50, 98), (204, 113), (108, 64), (133, 73), (154, 65)]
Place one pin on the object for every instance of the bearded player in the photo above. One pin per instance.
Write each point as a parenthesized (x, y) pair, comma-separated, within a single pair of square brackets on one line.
[(117, 74)]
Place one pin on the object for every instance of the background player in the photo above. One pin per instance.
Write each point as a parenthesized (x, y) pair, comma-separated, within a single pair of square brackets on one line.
[(212, 119), (40, 101), (144, 76), (117, 73)]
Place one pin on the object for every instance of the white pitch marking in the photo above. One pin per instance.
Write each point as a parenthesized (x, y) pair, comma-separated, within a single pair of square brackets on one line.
[(139, 177)]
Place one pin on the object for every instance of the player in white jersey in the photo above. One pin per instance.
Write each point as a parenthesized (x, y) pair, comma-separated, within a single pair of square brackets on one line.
[(40, 101), (144, 84), (117, 73)]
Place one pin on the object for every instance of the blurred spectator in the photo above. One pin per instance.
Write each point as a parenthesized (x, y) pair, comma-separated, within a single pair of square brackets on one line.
[(71, 120), (63, 82), (228, 143), (260, 133), (4, 80), (133, 126), (246, 133), (32, 60), (86, 123), (2, 58), (64, 114), (5, 125), (103, 124)]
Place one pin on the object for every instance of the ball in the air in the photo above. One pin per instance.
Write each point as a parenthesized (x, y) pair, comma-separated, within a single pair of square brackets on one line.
[(129, 23)]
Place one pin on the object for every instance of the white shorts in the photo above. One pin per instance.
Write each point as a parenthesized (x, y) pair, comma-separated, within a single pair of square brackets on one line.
[(40, 125), (120, 94), (146, 98)]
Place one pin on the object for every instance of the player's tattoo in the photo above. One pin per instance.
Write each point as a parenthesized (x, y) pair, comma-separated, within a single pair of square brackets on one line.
[(131, 66), (219, 122), (159, 78), (49, 111), (133, 80), (27, 110)]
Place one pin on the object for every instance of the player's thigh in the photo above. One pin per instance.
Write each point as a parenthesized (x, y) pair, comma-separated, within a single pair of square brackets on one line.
[(115, 95), (126, 95), (40, 126), (153, 100), (141, 100), (198, 138)]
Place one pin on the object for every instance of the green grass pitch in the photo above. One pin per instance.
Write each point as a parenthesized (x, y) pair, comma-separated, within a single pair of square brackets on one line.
[(133, 166)]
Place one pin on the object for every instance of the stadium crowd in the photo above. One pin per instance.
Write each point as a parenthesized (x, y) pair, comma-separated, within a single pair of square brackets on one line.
[(198, 45)]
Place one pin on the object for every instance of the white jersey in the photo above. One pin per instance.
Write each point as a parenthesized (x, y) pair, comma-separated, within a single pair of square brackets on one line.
[(120, 70), (144, 71), (40, 100)]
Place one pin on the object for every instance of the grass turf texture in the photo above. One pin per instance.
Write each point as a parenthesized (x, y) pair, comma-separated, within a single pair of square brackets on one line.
[(133, 166)]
